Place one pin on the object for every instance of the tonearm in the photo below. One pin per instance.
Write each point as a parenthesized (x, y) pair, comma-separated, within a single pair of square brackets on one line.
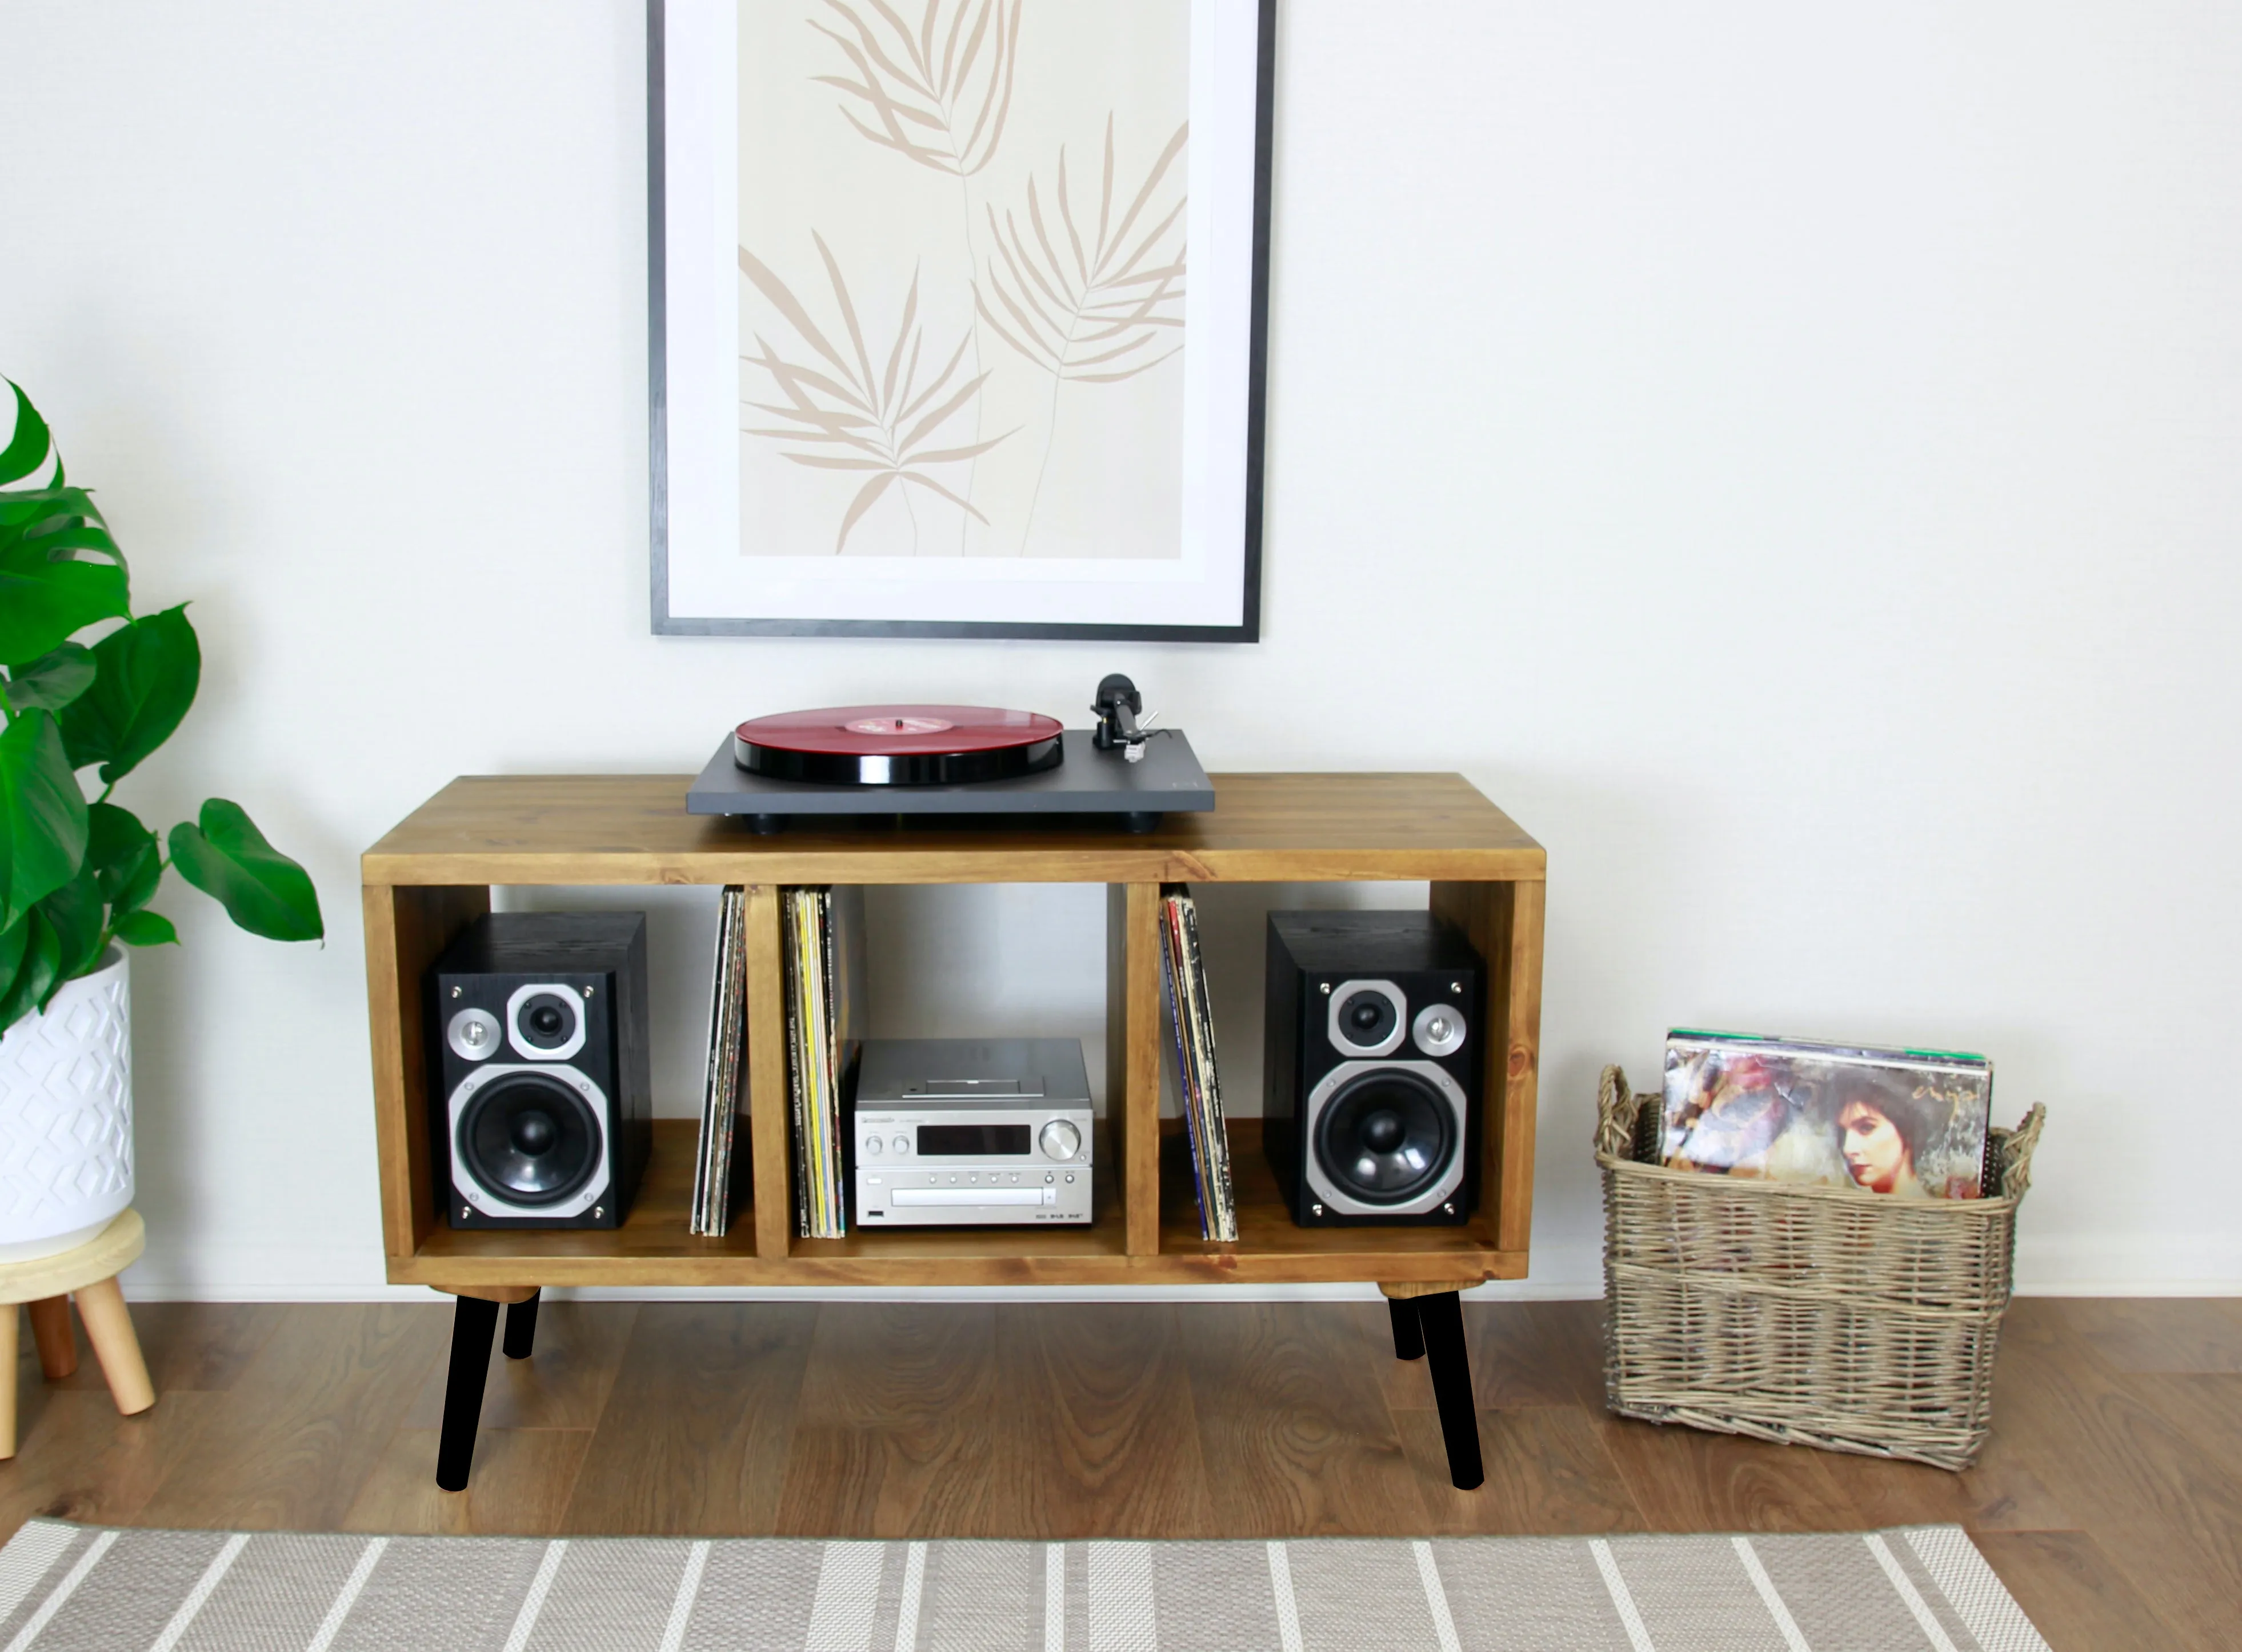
[(1117, 705)]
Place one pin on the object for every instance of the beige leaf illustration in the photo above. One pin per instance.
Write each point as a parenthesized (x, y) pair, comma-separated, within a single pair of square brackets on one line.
[(884, 422), (1094, 308), (1100, 308), (937, 95)]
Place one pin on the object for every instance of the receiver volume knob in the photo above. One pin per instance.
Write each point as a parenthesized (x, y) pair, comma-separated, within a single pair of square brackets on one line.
[(1060, 1140)]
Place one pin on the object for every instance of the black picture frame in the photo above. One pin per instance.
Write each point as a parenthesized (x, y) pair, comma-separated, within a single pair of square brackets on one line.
[(664, 622)]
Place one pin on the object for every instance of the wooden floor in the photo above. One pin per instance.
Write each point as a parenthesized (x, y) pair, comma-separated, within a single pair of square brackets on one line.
[(2110, 1500)]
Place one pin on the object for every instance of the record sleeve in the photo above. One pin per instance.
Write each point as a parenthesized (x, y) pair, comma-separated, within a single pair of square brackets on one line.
[(1216, 1131), (817, 1013), (732, 1096), (1910, 1122), (1186, 1104), (800, 907), (833, 1220), (721, 1093), (703, 1142), (825, 1000), (1199, 1083)]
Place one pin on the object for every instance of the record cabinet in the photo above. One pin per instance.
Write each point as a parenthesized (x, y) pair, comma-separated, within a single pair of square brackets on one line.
[(433, 875)]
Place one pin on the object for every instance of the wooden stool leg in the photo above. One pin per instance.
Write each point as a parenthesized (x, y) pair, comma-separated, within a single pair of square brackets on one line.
[(473, 1322), (1442, 1320), (7, 1380), (108, 1327), (51, 1329)]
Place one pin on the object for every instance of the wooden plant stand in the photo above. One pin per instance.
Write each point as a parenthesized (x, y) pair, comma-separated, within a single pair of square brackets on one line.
[(45, 1286), (433, 875)]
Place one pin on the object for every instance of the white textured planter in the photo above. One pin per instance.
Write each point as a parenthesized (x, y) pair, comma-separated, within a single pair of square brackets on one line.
[(66, 1117)]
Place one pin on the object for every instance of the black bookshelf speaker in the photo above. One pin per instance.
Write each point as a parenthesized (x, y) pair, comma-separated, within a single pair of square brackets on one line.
[(1371, 1067), (541, 1111)]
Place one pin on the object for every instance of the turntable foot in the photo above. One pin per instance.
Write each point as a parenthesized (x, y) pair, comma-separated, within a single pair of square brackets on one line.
[(764, 825), (1141, 822)]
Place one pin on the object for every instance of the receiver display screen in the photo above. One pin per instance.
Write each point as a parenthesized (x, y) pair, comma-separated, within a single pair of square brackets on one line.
[(967, 1141)]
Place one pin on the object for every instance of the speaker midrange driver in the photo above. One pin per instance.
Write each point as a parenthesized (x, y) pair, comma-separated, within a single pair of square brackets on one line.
[(1371, 1113)]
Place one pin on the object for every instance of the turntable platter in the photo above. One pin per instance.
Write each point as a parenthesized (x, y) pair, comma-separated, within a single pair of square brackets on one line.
[(898, 745)]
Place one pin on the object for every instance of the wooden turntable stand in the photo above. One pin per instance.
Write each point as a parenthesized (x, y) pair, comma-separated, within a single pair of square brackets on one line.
[(433, 875)]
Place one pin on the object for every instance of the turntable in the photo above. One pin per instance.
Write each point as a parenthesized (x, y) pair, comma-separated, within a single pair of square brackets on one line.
[(955, 760)]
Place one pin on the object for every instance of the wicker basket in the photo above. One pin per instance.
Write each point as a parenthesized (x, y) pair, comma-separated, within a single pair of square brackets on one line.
[(1816, 1316)]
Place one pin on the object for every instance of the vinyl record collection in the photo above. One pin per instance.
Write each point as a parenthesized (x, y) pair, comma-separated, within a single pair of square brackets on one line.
[(721, 1094), (1910, 1123), (825, 1003), (1192, 1015), (824, 997)]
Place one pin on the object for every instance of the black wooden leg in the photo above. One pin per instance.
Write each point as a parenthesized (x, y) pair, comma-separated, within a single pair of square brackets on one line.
[(1441, 1320), (1408, 1336), (473, 1322), (520, 1329)]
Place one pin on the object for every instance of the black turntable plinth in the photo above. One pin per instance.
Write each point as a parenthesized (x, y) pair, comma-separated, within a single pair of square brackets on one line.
[(1084, 783)]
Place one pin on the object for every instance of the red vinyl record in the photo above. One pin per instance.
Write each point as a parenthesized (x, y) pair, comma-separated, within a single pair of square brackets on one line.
[(898, 745)]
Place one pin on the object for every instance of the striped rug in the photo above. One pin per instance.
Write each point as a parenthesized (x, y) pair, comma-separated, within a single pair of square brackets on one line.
[(78, 1586)]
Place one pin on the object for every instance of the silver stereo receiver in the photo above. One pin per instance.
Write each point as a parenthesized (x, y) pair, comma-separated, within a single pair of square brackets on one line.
[(956, 1131)]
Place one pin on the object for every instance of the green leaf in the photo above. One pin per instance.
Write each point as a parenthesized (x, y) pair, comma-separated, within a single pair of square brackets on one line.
[(75, 533), (31, 510), (124, 855), (28, 447), (54, 522), (74, 913), (13, 940), (262, 889), (43, 814), (146, 928), (52, 681), (36, 976), (44, 601), (146, 673)]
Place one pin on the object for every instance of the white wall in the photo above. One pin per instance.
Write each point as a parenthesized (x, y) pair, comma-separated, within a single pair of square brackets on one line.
[(1786, 456)]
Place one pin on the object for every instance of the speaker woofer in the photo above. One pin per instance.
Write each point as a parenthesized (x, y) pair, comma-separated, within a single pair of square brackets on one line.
[(1385, 1137), (529, 1139)]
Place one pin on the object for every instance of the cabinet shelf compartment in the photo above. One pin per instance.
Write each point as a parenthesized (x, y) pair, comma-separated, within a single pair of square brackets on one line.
[(1272, 1247)]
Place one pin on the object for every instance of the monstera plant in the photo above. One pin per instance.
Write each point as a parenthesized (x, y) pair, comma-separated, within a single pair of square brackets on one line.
[(90, 690), (78, 873)]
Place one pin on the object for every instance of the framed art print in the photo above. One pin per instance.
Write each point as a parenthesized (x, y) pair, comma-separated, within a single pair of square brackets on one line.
[(958, 314)]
